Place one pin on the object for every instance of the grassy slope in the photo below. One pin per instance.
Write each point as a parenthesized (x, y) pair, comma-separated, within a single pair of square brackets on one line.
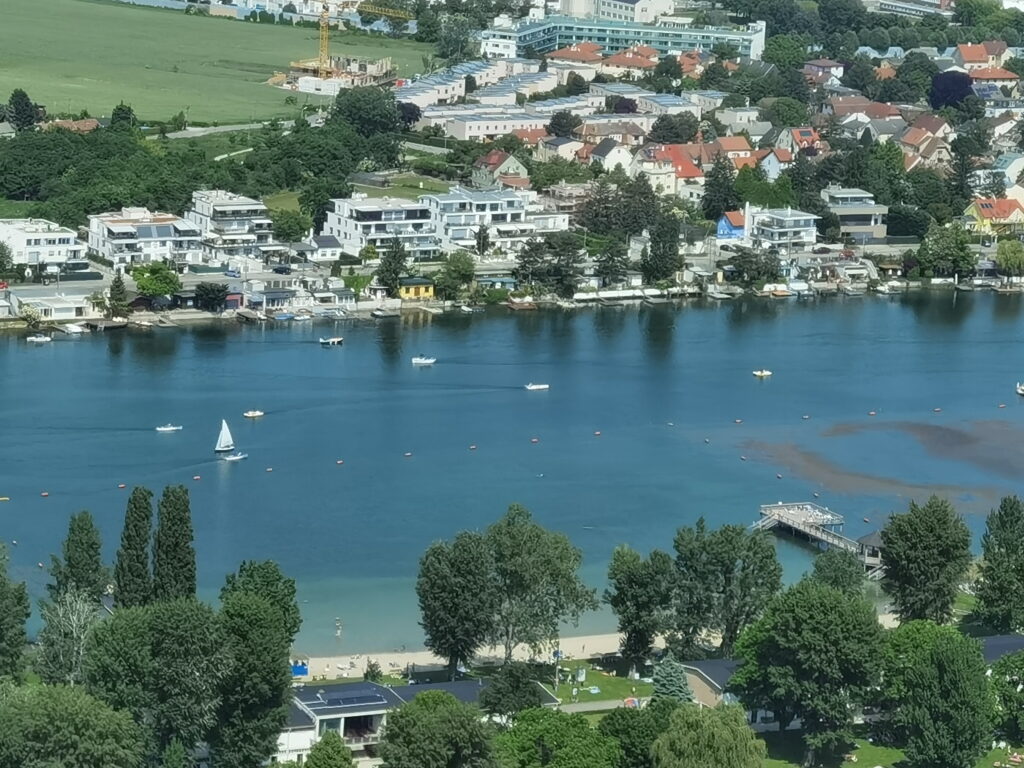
[(75, 54)]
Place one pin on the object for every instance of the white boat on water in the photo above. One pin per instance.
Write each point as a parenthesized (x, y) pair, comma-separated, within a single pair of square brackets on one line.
[(38, 338), (299, 318), (719, 295), (236, 457), (471, 310), (253, 414), (531, 387), (225, 442), (422, 360), (1020, 389), (73, 329), (169, 428), (333, 341), (764, 373)]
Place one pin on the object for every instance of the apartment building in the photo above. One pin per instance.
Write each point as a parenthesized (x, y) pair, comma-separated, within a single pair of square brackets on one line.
[(232, 226), (360, 221), (784, 229), (512, 217), (39, 243), (135, 236), (859, 216)]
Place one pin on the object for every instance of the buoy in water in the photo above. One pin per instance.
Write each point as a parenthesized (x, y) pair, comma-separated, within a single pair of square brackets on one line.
[(44, 494), (706, 440), (14, 542), (805, 417), (816, 494), (866, 520), (40, 565), (534, 439), (671, 424), (120, 485)]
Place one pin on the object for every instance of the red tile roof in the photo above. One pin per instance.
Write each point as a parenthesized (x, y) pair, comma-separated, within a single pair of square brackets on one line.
[(805, 136), (630, 60), (972, 54), (995, 208), (582, 52), (645, 51), (679, 157), (932, 124), (993, 73), (492, 160), (735, 218), (733, 144), (530, 136), (823, 63), (520, 182)]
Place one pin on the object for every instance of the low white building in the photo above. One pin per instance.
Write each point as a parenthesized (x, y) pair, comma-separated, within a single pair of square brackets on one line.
[(490, 127), (37, 243), (642, 11), (360, 220), (666, 104), (232, 226), (139, 236), (58, 307)]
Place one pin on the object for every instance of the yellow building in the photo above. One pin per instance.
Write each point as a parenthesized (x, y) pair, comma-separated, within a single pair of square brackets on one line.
[(995, 216), (415, 289)]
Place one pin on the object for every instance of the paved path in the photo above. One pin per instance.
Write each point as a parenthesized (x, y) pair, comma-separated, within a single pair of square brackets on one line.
[(595, 706), (193, 133), (430, 150)]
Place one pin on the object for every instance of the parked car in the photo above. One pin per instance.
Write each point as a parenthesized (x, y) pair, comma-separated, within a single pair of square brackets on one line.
[(232, 273), (727, 248), (282, 270), (822, 249)]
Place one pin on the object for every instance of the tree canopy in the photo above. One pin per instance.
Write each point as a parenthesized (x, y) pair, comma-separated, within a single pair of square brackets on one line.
[(840, 569), (548, 737), (640, 591), (702, 737), (1000, 587), (436, 730)]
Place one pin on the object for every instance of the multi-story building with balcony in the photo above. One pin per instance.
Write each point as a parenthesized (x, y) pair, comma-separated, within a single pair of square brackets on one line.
[(859, 216), (135, 236), (360, 221), (37, 243), (784, 229), (232, 226)]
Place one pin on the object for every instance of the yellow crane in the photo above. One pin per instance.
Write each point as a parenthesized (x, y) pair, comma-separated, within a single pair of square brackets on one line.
[(324, 63)]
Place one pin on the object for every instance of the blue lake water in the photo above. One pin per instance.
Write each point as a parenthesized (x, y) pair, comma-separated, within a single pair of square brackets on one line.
[(77, 419)]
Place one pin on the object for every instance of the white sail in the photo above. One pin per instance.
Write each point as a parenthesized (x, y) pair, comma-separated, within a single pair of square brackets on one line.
[(224, 440)]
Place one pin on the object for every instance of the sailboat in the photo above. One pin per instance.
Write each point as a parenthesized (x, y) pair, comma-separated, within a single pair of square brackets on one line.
[(225, 442)]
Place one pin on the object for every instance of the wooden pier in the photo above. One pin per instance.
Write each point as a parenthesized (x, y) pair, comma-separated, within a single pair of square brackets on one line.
[(818, 525)]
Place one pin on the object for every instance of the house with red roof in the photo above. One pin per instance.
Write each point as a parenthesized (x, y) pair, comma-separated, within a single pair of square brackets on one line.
[(995, 216), (804, 139), (577, 53), (1002, 78), (670, 169), (531, 137), (730, 226), (498, 168), (971, 56), (773, 161), (628, 63)]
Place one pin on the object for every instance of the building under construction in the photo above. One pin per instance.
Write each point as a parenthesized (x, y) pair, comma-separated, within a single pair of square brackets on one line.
[(343, 72)]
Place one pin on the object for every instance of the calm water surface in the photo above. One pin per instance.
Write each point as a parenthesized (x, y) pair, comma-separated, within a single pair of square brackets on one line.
[(663, 385)]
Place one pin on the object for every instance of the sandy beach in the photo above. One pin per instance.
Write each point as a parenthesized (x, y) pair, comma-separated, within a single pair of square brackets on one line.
[(395, 662)]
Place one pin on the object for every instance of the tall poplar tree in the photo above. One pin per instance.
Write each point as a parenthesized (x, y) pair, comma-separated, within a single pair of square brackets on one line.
[(14, 611), (174, 557), (81, 567), (133, 583), (1001, 583), (720, 189), (264, 578)]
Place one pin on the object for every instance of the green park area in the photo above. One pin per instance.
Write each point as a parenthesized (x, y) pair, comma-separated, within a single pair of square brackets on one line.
[(71, 55)]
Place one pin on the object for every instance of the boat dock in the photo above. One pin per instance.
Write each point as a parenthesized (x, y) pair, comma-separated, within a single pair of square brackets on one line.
[(818, 525)]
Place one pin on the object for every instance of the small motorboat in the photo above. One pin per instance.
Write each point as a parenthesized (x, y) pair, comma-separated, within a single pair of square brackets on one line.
[(38, 338), (283, 316), (531, 387), (764, 373), (236, 457), (73, 329), (1020, 389), (333, 341), (253, 414), (471, 310), (381, 314), (169, 428), (299, 318), (422, 360), (141, 323)]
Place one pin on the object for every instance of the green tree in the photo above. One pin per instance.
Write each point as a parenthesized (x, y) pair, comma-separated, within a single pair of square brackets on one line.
[(392, 266), (123, 116), (368, 253), (785, 112), (670, 680), (290, 226), (174, 557), (330, 752), (663, 257), (176, 756), (1000, 587), (212, 297), (81, 567), (840, 569), (925, 553), (482, 237), (945, 252), (813, 655), (14, 612), (719, 190), (265, 579), (369, 109), (640, 594), (1008, 688), (909, 221), (547, 737), (315, 198), (511, 690), (674, 129), (612, 263), (701, 737), (639, 210), (637, 729), (21, 112), (457, 597), (961, 171), (457, 272), (565, 263), (436, 729), (562, 123), (67, 621), (117, 303), (6, 259), (64, 727), (156, 279), (133, 584), (1010, 257), (537, 582), (256, 684), (455, 38), (948, 711), (789, 51)]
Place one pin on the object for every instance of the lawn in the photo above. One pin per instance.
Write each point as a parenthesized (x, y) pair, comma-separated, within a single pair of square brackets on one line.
[(82, 54), (409, 186), (14, 209), (288, 201)]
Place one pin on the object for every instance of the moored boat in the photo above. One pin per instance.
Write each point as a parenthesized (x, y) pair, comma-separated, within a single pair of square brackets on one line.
[(38, 338), (537, 387), (764, 373), (423, 360), (380, 313), (225, 442), (236, 457), (1020, 389), (253, 414), (333, 341), (471, 310)]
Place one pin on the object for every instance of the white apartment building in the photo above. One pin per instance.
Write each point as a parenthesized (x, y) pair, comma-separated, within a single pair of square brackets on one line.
[(134, 236), (37, 242), (232, 226), (361, 220), (640, 11), (786, 229), (490, 127)]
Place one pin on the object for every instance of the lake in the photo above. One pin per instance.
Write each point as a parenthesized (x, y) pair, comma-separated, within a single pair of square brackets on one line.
[(663, 385)]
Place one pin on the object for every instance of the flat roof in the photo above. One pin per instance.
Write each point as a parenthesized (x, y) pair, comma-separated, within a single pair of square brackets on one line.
[(346, 699)]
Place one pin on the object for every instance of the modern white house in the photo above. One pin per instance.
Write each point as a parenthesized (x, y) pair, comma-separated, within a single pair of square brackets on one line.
[(232, 226), (134, 236), (37, 243), (859, 216), (786, 229), (361, 220)]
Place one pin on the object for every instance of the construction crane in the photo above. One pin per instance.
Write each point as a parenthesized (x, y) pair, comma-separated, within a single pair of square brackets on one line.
[(324, 64)]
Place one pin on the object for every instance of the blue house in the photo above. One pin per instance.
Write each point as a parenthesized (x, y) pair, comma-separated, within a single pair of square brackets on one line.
[(730, 226)]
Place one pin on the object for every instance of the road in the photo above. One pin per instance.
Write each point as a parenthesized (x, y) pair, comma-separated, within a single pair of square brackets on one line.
[(195, 133)]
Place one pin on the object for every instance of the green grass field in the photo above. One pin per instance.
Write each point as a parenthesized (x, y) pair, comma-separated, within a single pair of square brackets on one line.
[(14, 209), (409, 186), (80, 54)]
